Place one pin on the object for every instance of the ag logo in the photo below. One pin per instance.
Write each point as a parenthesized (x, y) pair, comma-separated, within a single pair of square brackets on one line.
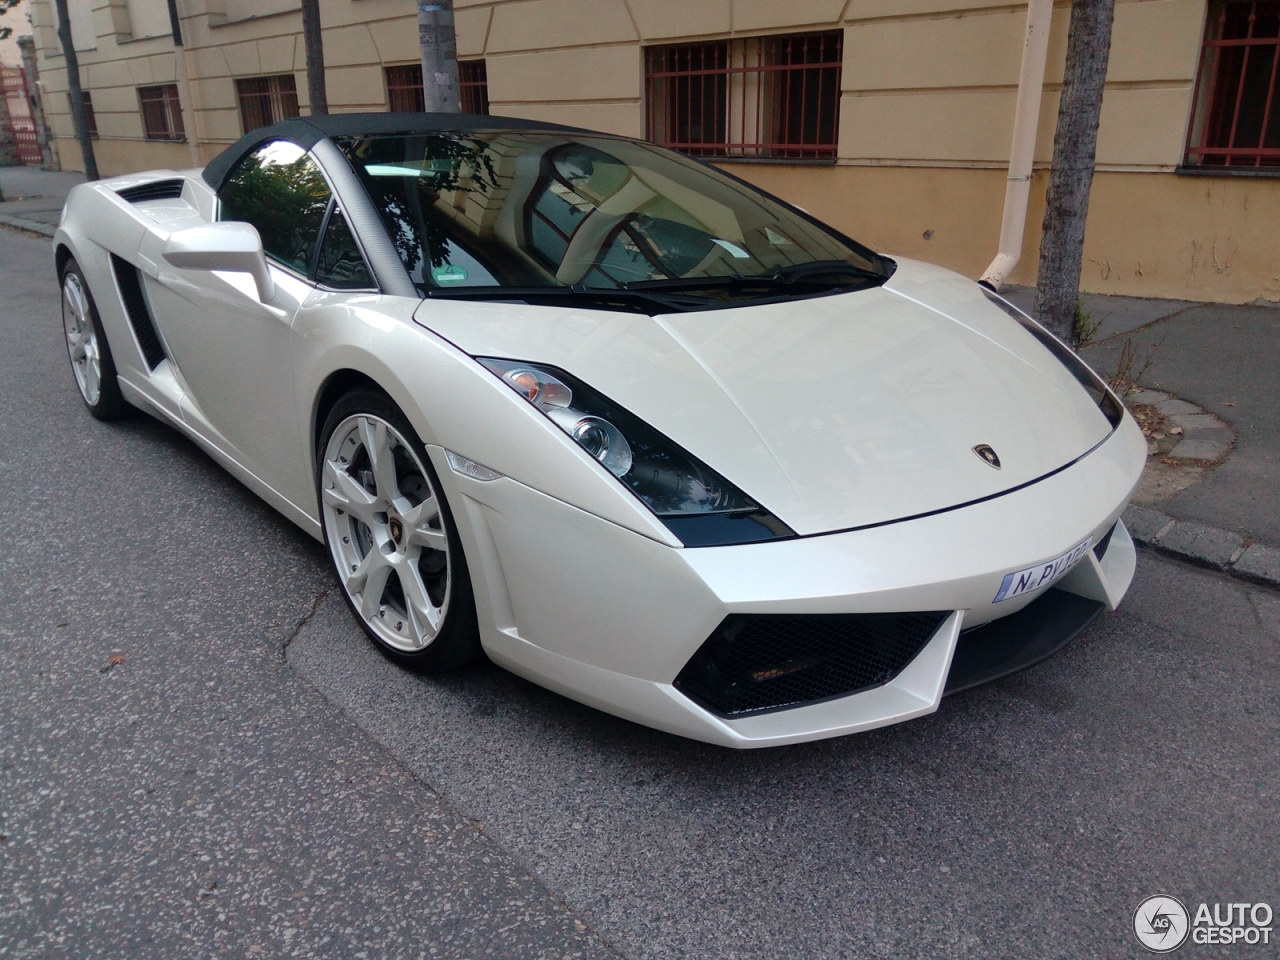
[(1161, 924)]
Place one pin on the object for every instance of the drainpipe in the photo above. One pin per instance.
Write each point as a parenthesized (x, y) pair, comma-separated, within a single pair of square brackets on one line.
[(1026, 119), (187, 105)]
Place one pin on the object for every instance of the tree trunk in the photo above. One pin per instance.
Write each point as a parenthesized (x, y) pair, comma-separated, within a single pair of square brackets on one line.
[(1074, 148), (314, 43), (439, 46), (78, 116)]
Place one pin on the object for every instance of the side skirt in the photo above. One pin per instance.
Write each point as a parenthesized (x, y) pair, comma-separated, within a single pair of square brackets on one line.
[(280, 503)]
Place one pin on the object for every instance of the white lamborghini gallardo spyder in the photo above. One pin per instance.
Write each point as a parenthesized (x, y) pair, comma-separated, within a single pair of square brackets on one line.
[(636, 430)]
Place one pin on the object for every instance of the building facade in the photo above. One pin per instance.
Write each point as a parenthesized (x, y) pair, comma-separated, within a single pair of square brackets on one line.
[(891, 119)]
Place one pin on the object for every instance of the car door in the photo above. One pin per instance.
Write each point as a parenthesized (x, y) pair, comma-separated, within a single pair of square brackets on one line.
[(232, 349)]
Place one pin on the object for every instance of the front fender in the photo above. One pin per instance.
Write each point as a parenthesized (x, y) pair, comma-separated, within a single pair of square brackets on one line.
[(452, 402)]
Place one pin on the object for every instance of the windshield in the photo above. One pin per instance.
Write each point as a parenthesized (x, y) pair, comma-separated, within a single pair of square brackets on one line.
[(593, 217)]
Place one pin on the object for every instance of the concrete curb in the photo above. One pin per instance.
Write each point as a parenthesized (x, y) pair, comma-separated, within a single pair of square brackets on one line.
[(32, 226), (1204, 546)]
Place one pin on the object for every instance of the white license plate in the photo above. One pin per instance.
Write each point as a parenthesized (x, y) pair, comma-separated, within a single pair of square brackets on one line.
[(1042, 574)]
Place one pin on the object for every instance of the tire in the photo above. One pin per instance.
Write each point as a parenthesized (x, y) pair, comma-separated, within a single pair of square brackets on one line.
[(399, 563), (87, 348)]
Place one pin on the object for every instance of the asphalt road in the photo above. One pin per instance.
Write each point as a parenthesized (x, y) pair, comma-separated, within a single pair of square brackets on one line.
[(253, 779), (195, 797)]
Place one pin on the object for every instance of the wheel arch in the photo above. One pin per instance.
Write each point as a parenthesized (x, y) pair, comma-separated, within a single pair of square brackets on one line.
[(335, 386), (61, 255)]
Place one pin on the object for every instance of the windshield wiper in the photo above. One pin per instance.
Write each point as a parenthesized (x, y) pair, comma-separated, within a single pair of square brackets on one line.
[(817, 271), (620, 298), (826, 268)]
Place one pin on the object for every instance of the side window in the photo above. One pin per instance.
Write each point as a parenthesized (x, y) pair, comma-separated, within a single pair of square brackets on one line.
[(340, 265), (279, 189)]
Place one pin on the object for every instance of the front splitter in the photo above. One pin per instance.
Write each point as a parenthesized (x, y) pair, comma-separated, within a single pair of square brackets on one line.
[(1020, 640)]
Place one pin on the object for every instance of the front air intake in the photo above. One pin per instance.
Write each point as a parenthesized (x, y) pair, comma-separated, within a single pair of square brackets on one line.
[(754, 663)]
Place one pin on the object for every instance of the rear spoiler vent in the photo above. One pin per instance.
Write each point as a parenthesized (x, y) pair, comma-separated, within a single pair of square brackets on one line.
[(155, 190)]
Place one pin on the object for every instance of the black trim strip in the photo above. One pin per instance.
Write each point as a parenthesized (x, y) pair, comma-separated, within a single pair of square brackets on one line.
[(967, 503), (129, 280)]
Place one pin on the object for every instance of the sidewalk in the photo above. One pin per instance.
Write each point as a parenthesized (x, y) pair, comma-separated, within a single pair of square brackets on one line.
[(33, 198), (1225, 359)]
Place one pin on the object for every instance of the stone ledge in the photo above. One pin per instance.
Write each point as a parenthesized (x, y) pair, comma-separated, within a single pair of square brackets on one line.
[(1204, 546), (1260, 564)]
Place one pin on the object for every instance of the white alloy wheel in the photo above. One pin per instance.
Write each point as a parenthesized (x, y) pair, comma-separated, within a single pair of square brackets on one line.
[(385, 529), (82, 339)]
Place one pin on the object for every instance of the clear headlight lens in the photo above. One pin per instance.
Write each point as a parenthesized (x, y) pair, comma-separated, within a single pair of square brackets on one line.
[(696, 503)]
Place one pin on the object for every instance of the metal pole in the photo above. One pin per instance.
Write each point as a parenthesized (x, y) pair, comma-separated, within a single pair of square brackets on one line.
[(184, 85), (439, 46), (313, 40)]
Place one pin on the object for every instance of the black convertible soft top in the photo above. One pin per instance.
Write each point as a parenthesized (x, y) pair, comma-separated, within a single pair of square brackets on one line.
[(306, 132)]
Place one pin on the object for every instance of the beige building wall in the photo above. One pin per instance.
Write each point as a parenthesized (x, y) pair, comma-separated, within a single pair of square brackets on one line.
[(926, 112)]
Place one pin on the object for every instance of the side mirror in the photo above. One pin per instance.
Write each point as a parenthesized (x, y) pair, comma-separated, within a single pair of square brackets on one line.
[(230, 246)]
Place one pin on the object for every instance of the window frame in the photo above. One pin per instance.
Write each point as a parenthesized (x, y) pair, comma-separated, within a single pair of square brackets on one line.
[(274, 97), (171, 108), (1207, 100), (324, 220), (399, 81), (760, 69), (91, 119), (335, 204)]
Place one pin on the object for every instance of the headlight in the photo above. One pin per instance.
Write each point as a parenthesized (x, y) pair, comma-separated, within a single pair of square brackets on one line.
[(698, 505), (1093, 384)]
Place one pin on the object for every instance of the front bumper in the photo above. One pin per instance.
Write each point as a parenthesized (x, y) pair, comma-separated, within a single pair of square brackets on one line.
[(610, 618)]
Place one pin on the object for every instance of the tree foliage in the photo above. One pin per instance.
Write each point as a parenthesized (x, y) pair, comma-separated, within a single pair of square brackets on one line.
[(284, 201)]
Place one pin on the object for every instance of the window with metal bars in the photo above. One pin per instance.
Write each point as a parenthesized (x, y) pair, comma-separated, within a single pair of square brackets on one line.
[(1237, 103), (266, 100), (758, 97), (88, 113), (161, 112), (404, 87), (90, 119)]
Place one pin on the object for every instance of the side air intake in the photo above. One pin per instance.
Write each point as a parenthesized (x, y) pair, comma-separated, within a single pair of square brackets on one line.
[(156, 190), (135, 306), (753, 663)]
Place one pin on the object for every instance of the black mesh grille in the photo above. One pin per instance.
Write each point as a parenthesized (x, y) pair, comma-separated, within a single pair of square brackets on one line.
[(135, 305), (765, 662), (1100, 550), (156, 190)]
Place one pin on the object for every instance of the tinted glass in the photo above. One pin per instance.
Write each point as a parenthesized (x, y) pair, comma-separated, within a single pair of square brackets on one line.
[(340, 264), (528, 209), (279, 189)]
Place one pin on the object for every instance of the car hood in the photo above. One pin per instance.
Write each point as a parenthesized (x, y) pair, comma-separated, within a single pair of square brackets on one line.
[(832, 412)]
